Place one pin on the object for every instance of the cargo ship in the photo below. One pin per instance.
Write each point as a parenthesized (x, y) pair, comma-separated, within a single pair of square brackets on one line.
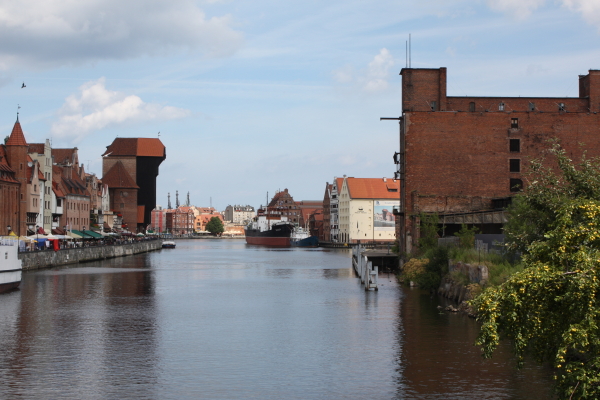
[(269, 228)]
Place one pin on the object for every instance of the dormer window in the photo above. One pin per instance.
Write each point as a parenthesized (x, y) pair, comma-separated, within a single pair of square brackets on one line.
[(501, 107), (531, 106), (561, 107)]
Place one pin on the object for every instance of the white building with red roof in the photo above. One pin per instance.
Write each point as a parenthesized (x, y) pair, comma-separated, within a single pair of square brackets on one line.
[(366, 209)]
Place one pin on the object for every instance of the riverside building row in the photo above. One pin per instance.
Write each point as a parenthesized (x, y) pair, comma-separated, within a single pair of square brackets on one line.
[(46, 190)]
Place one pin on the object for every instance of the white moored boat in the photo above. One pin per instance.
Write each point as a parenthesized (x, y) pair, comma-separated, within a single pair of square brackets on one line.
[(10, 265)]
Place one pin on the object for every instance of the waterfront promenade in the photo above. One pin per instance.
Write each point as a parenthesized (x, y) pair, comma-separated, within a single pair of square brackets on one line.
[(32, 260)]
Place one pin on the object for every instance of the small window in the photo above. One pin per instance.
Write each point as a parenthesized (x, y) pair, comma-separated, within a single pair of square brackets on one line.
[(531, 106), (514, 123), (472, 106), (561, 107), (515, 145), (516, 185), (433, 105), (501, 107), (515, 165)]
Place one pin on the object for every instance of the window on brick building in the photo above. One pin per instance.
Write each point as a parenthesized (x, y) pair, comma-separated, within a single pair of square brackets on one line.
[(561, 107), (433, 105), (472, 106), (501, 107), (514, 123), (516, 185), (531, 106), (515, 165), (515, 145)]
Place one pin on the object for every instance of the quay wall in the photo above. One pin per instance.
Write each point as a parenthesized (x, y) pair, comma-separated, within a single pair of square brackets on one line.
[(32, 260)]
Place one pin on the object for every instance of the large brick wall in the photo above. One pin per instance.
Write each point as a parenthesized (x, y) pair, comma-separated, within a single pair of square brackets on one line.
[(458, 160)]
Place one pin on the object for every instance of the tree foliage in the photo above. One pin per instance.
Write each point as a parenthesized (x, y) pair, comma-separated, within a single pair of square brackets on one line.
[(428, 235), (466, 236), (551, 183), (215, 226), (551, 309)]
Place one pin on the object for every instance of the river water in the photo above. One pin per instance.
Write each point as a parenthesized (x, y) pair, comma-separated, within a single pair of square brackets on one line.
[(217, 319)]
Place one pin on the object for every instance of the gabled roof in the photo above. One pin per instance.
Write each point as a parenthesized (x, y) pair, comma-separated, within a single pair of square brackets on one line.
[(65, 156), (141, 147), (16, 136), (117, 177), (373, 188), (36, 148), (57, 189), (8, 174)]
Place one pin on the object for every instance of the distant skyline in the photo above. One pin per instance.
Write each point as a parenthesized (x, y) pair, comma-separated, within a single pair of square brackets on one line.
[(254, 97)]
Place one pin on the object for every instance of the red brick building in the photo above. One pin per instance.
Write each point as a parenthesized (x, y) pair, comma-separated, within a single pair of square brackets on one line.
[(463, 157)]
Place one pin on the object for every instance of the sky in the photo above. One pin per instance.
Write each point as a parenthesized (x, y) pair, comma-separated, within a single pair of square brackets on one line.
[(251, 97)]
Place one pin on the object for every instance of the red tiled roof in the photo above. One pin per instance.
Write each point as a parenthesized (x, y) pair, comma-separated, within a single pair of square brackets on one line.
[(57, 189), (10, 173), (65, 156), (117, 177), (142, 147), (373, 188), (36, 148), (16, 137)]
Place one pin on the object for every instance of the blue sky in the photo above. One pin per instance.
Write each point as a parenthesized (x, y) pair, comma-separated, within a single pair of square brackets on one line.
[(254, 96)]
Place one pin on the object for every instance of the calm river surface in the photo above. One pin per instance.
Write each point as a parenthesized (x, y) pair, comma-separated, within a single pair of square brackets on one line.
[(217, 319)]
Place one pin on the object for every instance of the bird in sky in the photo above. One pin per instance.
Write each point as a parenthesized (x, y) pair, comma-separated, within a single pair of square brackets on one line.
[(23, 85)]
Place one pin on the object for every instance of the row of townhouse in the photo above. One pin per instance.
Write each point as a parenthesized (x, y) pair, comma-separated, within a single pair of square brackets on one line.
[(45, 190), (183, 220), (360, 209)]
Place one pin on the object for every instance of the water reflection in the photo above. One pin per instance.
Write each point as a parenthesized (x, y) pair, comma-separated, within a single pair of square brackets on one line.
[(439, 359), (220, 320), (78, 334)]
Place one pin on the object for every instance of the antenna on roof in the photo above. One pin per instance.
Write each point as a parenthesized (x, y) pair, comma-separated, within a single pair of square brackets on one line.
[(409, 52), (158, 133), (18, 108)]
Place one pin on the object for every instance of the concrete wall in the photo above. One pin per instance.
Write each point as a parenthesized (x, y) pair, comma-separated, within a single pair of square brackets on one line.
[(46, 259)]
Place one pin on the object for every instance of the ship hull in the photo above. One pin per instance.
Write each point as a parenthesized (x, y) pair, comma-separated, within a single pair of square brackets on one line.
[(278, 236)]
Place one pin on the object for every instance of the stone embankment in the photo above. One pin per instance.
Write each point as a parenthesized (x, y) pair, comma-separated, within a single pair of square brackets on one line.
[(45, 259), (463, 283)]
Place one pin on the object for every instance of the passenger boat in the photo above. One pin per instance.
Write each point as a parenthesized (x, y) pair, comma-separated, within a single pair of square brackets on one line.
[(269, 228), (168, 244), (10, 267)]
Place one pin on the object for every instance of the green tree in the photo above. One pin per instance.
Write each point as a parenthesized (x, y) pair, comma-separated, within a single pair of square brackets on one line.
[(466, 236), (215, 226), (551, 183), (551, 309), (428, 234)]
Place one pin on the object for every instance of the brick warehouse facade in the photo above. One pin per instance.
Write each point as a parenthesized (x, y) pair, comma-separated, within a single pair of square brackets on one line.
[(464, 157)]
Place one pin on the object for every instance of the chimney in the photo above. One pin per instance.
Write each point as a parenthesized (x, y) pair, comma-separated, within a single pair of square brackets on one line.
[(385, 179)]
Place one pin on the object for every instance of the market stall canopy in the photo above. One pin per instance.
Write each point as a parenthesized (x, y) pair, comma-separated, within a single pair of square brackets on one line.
[(83, 235), (74, 235), (93, 234)]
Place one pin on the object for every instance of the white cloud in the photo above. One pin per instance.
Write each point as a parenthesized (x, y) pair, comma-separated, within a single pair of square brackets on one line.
[(590, 9), (372, 79), (42, 33), (378, 72), (519, 9), (96, 108)]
